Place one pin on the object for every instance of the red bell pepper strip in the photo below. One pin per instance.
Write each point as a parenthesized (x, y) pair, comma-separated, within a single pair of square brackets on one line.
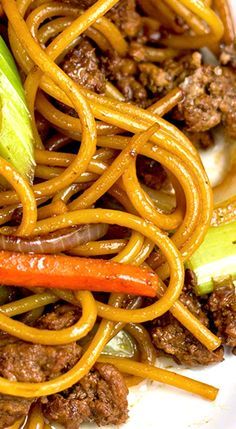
[(67, 272)]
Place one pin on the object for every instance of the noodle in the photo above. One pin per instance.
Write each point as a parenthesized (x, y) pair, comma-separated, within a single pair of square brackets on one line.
[(227, 20), (95, 248), (148, 353), (163, 376), (144, 205), (64, 336), (48, 31), (112, 174), (164, 14), (27, 304), (161, 107), (195, 42), (26, 197), (17, 425), (192, 20), (35, 420)]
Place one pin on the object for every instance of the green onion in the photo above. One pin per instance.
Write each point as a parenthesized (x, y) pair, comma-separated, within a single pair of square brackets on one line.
[(215, 259), (16, 138)]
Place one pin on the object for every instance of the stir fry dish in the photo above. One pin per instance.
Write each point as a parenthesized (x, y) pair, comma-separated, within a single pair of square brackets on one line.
[(117, 247)]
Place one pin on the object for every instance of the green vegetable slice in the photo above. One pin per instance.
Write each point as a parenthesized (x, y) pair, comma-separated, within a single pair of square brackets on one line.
[(216, 257), (16, 138), (122, 345)]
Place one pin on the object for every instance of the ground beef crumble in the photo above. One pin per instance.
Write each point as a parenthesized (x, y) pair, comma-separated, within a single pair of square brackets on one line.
[(34, 363), (222, 309), (100, 397), (175, 340), (209, 99), (82, 66)]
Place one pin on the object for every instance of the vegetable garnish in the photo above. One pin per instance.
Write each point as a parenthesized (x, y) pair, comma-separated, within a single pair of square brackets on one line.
[(215, 258), (67, 272), (16, 138)]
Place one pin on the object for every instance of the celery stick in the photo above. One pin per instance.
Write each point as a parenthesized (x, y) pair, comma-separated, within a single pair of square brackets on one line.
[(16, 139), (215, 258)]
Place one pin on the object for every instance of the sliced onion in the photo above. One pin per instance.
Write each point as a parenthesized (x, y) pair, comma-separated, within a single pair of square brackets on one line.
[(55, 242)]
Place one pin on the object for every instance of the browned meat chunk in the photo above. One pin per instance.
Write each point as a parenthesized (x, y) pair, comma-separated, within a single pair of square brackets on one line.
[(82, 66), (176, 341), (122, 72), (222, 307), (150, 172), (209, 98), (228, 55), (144, 82), (159, 79), (32, 363), (35, 363), (171, 337), (61, 317), (126, 18), (154, 78), (12, 409), (100, 397)]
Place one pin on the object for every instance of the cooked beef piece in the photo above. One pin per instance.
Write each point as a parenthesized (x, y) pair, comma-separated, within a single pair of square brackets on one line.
[(12, 409), (173, 339), (144, 82), (122, 72), (228, 55), (222, 307), (160, 79), (150, 172), (209, 98), (33, 363), (125, 17), (82, 66), (61, 317), (100, 397), (133, 90)]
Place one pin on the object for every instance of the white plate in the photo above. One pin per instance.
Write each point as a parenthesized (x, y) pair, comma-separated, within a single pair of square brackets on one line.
[(153, 405)]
